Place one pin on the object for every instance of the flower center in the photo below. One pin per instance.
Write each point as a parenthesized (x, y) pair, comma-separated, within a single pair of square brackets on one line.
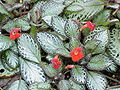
[(13, 33), (76, 53)]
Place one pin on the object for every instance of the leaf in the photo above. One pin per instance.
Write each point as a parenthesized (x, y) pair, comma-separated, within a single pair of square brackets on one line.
[(102, 18), (114, 45), (5, 72), (92, 44), (71, 28), (99, 34), (47, 20), (11, 59), (35, 12), (112, 67), (79, 74), (16, 23), (40, 86), (52, 44), (49, 70), (31, 72), (58, 24), (89, 9), (75, 86), (96, 81), (5, 43), (99, 62), (3, 10), (64, 85), (52, 8), (28, 48), (18, 85)]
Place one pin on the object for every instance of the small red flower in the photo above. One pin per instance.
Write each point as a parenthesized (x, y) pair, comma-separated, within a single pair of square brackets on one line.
[(76, 54), (69, 66), (56, 63), (14, 33), (88, 25)]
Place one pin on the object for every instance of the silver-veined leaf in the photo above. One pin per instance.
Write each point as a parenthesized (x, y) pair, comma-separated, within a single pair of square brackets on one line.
[(47, 20), (96, 81), (52, 8), (71, 28), (11, 59), (18, 85), (28, 48), (99, 34), (4, 72), (52, 44), (31, 72), (5, 43), (64, 85), (99, 62), (79, 74), (112, 67), (75, 86), (58, 24), (89, 9), (3, 10), (114, 45), (40, 86)]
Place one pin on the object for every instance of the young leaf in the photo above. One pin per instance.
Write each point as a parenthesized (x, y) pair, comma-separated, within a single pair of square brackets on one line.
[(79, 74), (5, 43), (31, 72), (52, 44), (52, 8), (58, 24), (71, 28), (64, 85), (28, 48), (96, 81), (99, 62), (114, 45), (18, 85)]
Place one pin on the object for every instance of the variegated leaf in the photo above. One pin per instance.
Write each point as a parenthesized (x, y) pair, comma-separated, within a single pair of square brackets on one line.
[(52, 44), (28, 48), (31, 72)]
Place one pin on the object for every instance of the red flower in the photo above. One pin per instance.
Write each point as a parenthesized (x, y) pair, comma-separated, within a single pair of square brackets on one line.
[(76, 54), (88, 25), (56, 63), (14, 33), (69, 66)]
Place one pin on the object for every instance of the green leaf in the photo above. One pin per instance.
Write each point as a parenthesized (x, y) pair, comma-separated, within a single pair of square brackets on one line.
[(71, 28), (28, 48), (86, 10), (3, 10), (75, 86), (5, 43), (52, 8), (52, 44), (31, 72), (18, 85), (40, 86), (64, 85), (114, 45), (99, 62), (96, 81), (58, 24), (102, 17), (79, 74), (11, 59)]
